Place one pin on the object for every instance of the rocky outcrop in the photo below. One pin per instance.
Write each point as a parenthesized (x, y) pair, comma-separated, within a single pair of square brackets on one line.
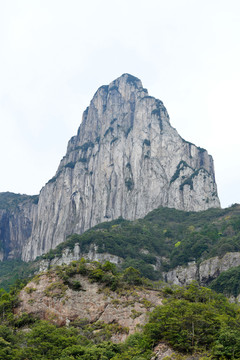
[(125, 160), (163, 352), (182, 275), (48, 298), (68, 255), (204, 272), (210, 269)]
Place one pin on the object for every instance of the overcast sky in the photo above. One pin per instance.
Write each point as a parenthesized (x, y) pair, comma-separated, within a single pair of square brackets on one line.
[(54, 55)]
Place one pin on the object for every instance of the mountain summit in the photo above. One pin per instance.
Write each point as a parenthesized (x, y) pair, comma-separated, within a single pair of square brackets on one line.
[(125, 160)]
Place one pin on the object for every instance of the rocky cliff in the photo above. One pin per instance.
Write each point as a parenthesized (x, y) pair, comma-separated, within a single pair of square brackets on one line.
[(16, 217), (48, 297), (125, 160), (204, 272)]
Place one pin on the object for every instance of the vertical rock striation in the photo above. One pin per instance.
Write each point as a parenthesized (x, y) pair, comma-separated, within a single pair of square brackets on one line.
[(125, 160), (16, 217)]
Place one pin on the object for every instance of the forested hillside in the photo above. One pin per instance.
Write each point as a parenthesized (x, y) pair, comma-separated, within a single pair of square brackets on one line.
[(164, 239), (192, 320), (178, 236)]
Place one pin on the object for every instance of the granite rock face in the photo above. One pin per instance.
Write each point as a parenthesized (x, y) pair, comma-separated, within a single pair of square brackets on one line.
[(204, 272), (125, 160)]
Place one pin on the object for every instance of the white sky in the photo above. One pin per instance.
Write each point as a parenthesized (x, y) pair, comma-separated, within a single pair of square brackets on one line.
[(54, 54)]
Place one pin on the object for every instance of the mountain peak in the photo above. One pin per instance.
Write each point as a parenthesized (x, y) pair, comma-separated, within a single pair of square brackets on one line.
[(127, 79), (126, 85), (125, 161)]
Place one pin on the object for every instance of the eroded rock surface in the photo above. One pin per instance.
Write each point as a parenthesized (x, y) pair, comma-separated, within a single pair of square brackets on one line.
[(205, 272), (125, 160), (48, 298), (68, 255)]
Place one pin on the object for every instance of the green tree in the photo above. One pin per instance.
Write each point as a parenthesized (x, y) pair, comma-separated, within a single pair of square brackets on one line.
[(132, 276)]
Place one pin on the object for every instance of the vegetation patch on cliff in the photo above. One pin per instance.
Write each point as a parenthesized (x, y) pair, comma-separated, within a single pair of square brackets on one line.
[(180, 167), (149, 244), (9, 200), (189, 180), (193, 321), (228, 282)]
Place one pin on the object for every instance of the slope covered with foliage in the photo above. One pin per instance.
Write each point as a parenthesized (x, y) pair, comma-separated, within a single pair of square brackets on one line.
[(13, 270), (192, 320), (228, 282), (177, 237), (9, 200), (162, 240)]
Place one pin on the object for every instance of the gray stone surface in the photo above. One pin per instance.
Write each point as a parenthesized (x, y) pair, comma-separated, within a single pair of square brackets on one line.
[(15, 229), (69, 255), (205, 272), (93, 302), (125, 160), (182, 275)]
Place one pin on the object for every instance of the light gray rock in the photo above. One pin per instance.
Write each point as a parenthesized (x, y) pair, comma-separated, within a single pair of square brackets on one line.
[(182, 275), (68, 255), (210, 269), (125, 160), (205, 272), (16, 228)]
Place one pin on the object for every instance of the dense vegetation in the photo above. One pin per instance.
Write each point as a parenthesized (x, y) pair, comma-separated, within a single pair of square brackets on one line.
[(228, 282), (13, 270), (106, 274), (192, 320), (178, 237), (196, 319), (9, 201), (162, 240)]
